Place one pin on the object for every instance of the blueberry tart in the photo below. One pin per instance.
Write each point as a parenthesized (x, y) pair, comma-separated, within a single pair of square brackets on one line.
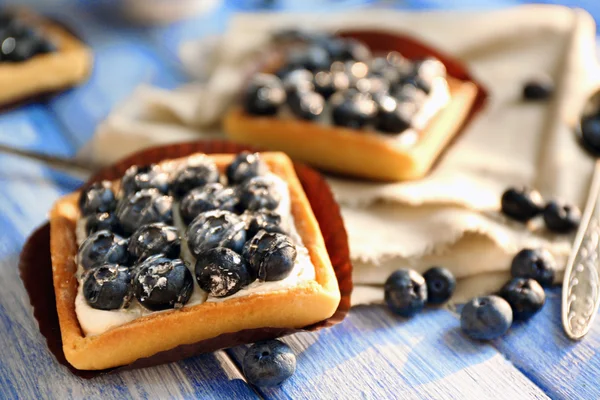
[(170, 255), (38, 56), (332, 102)]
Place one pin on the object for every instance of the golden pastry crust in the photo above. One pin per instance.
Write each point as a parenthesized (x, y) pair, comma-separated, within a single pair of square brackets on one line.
[(305, 304), (358, 153), (45, 73)]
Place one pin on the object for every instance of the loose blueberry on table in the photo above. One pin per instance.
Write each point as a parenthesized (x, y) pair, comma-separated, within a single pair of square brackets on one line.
[(560, 217), (537, 264), (525, 296), (521, 204), (440, 285), (405, 292), (19, 42), (538, 88), (162, 283), (334, 80), (486, 318), (269, 363)]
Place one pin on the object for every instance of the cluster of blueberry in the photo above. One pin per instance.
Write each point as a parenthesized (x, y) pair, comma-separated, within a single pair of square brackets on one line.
[(133, 249), (407, 291), (339, 77), (482, 318), (20, 42), (523, 204)]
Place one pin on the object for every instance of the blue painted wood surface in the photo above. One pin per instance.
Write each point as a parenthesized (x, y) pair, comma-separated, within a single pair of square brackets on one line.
[(372, 354)]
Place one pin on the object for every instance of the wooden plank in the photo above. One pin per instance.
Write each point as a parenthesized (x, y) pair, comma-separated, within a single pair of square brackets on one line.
[(378, 355), (539, 348)]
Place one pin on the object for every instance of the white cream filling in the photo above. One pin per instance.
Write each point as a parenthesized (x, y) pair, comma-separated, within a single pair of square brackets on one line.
[(95, 322)]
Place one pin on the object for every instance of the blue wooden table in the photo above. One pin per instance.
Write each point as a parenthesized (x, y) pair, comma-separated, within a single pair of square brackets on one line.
[(372, 354)]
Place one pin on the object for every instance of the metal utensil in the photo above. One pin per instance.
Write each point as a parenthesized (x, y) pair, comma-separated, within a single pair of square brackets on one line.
[(581, 284), (72, 166)]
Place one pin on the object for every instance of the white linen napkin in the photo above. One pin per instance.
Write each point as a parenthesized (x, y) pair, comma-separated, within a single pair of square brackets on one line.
[(451, 217)]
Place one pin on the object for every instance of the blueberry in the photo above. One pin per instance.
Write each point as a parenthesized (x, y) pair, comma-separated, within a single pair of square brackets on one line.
[(152, 239), (393, 116), (213, 196), (103, 247), (372, 84), (326, 83), (429, 68), (259, 193), (525, 296), (440, 285), (245, 166), (192, 177), (536, 264), (267, 220), (107, 287), (271, 256), (417, 81), (560, 217), (354, 111), (405, 292), (103, 221), (264, 95), (354, 70), (137, 178), (269, 363), (221, 272), (97, 198), (521, 204), (342, 49), (312, 58), (392, 67), (486, 318), (144, 207), (162, 283), (218, 228), (590, 132), (409, 93), (298, 80), (538, 88), (306, 105)]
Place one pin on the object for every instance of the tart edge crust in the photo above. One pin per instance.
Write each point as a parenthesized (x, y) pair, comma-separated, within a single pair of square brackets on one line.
[(303, 305), (354, 152)]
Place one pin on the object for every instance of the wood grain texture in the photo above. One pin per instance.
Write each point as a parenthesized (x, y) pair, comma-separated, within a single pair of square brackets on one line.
[(371, 355), (540, 349), (376, 354)]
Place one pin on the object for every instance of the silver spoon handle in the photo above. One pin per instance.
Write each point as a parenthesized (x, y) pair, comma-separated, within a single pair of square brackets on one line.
[(581, 284), (80, 168)]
